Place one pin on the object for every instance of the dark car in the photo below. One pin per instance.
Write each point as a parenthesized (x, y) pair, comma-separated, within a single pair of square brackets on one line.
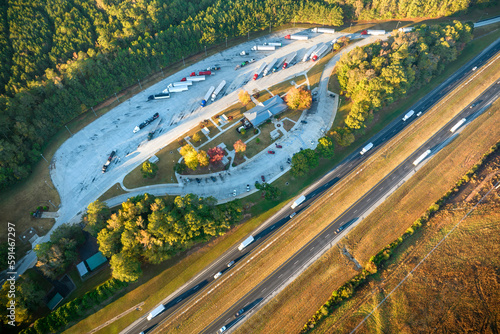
[(240, 312), (198, 180), (156, 115), (279, 146), (281, 167), (339, 229), (474, 104), (303, 122), (270, 152), (213, 178), (289, 160), (263, 178)]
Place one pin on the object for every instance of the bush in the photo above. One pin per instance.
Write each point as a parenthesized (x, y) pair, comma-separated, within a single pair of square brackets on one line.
[(257, 140)]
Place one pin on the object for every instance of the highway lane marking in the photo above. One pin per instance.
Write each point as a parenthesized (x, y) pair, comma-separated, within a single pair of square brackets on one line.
[(296, 262), (272, 228), (381, 189), (311, 249), (327, 235), (280, 275)]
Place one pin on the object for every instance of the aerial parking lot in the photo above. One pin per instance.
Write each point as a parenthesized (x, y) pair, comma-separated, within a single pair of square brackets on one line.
[(76, 169)]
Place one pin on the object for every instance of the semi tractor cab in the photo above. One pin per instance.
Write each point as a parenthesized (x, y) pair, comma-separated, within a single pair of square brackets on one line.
[(366, 148)]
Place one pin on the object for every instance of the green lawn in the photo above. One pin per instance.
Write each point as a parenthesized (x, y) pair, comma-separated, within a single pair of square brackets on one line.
[(265, 140)]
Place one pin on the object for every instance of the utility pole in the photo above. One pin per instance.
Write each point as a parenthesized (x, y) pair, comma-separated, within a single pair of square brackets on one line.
[(226, 41), (205, 50), (139, 83), (68, 130), (183, 63), (269, 26), (117, 98), (93, 111), (161, 69), (43, 158)]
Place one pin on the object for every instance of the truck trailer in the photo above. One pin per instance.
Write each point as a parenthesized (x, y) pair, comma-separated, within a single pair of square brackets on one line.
[(259, 71), (406, 29), (408, 115), (366, 148), (297, 37), (217, 90), (273, 44), (159, 96), (309, 52), (324, 30), (207, 96), (459, 124), (278, 64), (375, 32), (263, 48), (289, 60), (421, 157), (108, 162), (298, 202), (146, 122), (178, 89), (196, 78), (245, 243), (182, 83), (155, 312), (270, 67), (320, 52), (193, 74)]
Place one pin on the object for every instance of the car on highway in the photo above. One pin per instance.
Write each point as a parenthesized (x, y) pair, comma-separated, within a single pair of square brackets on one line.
[(293, 215), (240, 312), (271, 152), (248, 187), (339, 229), (222, 329), (474, 104), (230, 263), (198, 180), (263, 178), (419, 113), (213, 178), (219, 274), (279, 146)]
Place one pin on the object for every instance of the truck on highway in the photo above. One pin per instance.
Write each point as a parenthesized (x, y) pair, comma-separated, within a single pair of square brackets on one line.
[(108, 162), (207, 96), (298, 202), (245, 243), (459, 124), (259, 71), (270, 67), (263, 48), (155, 312), (320, 52), (217, 90), (366, 148), (421, 157), (408, 115), (297, 37), (289, 60), (165, 95), (324, 30), (146, 122)]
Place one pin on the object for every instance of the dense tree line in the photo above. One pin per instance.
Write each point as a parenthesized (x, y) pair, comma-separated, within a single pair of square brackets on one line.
[(150, 229), (376, 75), (62, 57), (28, 297)]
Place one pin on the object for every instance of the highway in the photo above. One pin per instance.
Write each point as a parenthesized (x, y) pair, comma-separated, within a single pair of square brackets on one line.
[(191, 290)]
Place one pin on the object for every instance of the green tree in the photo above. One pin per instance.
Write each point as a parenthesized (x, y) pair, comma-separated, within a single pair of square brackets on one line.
[(325, 147), (95, 217), (149, 169), (125, 268), (180, 167), (303, 161)]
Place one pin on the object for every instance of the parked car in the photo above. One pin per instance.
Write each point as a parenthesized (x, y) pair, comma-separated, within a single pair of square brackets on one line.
[(281, 167), (289, 160), (234, 193), (198, 180), (303, 122), (263, 178), (213, 178), (270, 152), (230, 263), (279, 146), (248, 187)]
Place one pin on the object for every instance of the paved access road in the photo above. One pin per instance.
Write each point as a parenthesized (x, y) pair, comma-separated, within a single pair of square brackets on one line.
[(191, 290)]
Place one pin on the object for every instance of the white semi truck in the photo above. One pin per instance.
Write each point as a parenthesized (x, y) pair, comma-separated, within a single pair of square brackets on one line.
[(298, 202), (366, 148), (245, 243), (155, 312), (408, 115)]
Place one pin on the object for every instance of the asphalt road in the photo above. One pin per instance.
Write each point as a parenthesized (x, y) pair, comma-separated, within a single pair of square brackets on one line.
[(189, 292)]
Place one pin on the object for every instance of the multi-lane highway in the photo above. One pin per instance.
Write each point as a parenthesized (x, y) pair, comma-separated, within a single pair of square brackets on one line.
[(187, 293)]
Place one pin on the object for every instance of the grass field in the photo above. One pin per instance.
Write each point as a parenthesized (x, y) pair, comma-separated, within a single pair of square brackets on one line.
[(286, 313)]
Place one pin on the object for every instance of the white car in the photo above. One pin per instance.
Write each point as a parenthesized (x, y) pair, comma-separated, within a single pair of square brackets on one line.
[(219, 274), (230, 263), (248, 187), (293, 215), (234, 193), (222, 329)]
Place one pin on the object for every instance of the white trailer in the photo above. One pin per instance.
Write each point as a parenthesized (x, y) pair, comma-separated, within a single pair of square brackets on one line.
[(366, 148), (375, 32), (245, 243), (407, 29), (459, 124), (207, 96), (218, 90), (177, 89), (155, 312), (422, 157), (408, 115), (273, 44), (182, 83), (324, 30), (259, 71), (320, 52), (270, 67), (196, 78), (263, 48), (309, 52), (297, 37), (278, 64), (298, 202)]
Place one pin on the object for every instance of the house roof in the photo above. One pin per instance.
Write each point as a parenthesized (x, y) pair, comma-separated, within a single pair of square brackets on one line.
[(82, 270), (262, 113), (96, 260)]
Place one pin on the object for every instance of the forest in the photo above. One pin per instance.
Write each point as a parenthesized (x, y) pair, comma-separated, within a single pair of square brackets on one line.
[(378, 74), (149, 229), (59, 58)]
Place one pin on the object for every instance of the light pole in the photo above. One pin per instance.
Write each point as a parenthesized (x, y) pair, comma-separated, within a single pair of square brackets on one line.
[(397, 25), (43, 157)]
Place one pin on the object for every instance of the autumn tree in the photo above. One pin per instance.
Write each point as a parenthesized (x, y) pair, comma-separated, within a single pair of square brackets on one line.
[(298, 98), (244, 97), (203, 158), (196, 137), (190, 156), (216, 154), (325, 147), (149, 169), (239, 146)]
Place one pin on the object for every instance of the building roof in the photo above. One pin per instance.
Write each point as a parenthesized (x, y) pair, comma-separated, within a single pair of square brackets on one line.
[(95, 260), (82, 270), (262, 113), (54, 301)]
